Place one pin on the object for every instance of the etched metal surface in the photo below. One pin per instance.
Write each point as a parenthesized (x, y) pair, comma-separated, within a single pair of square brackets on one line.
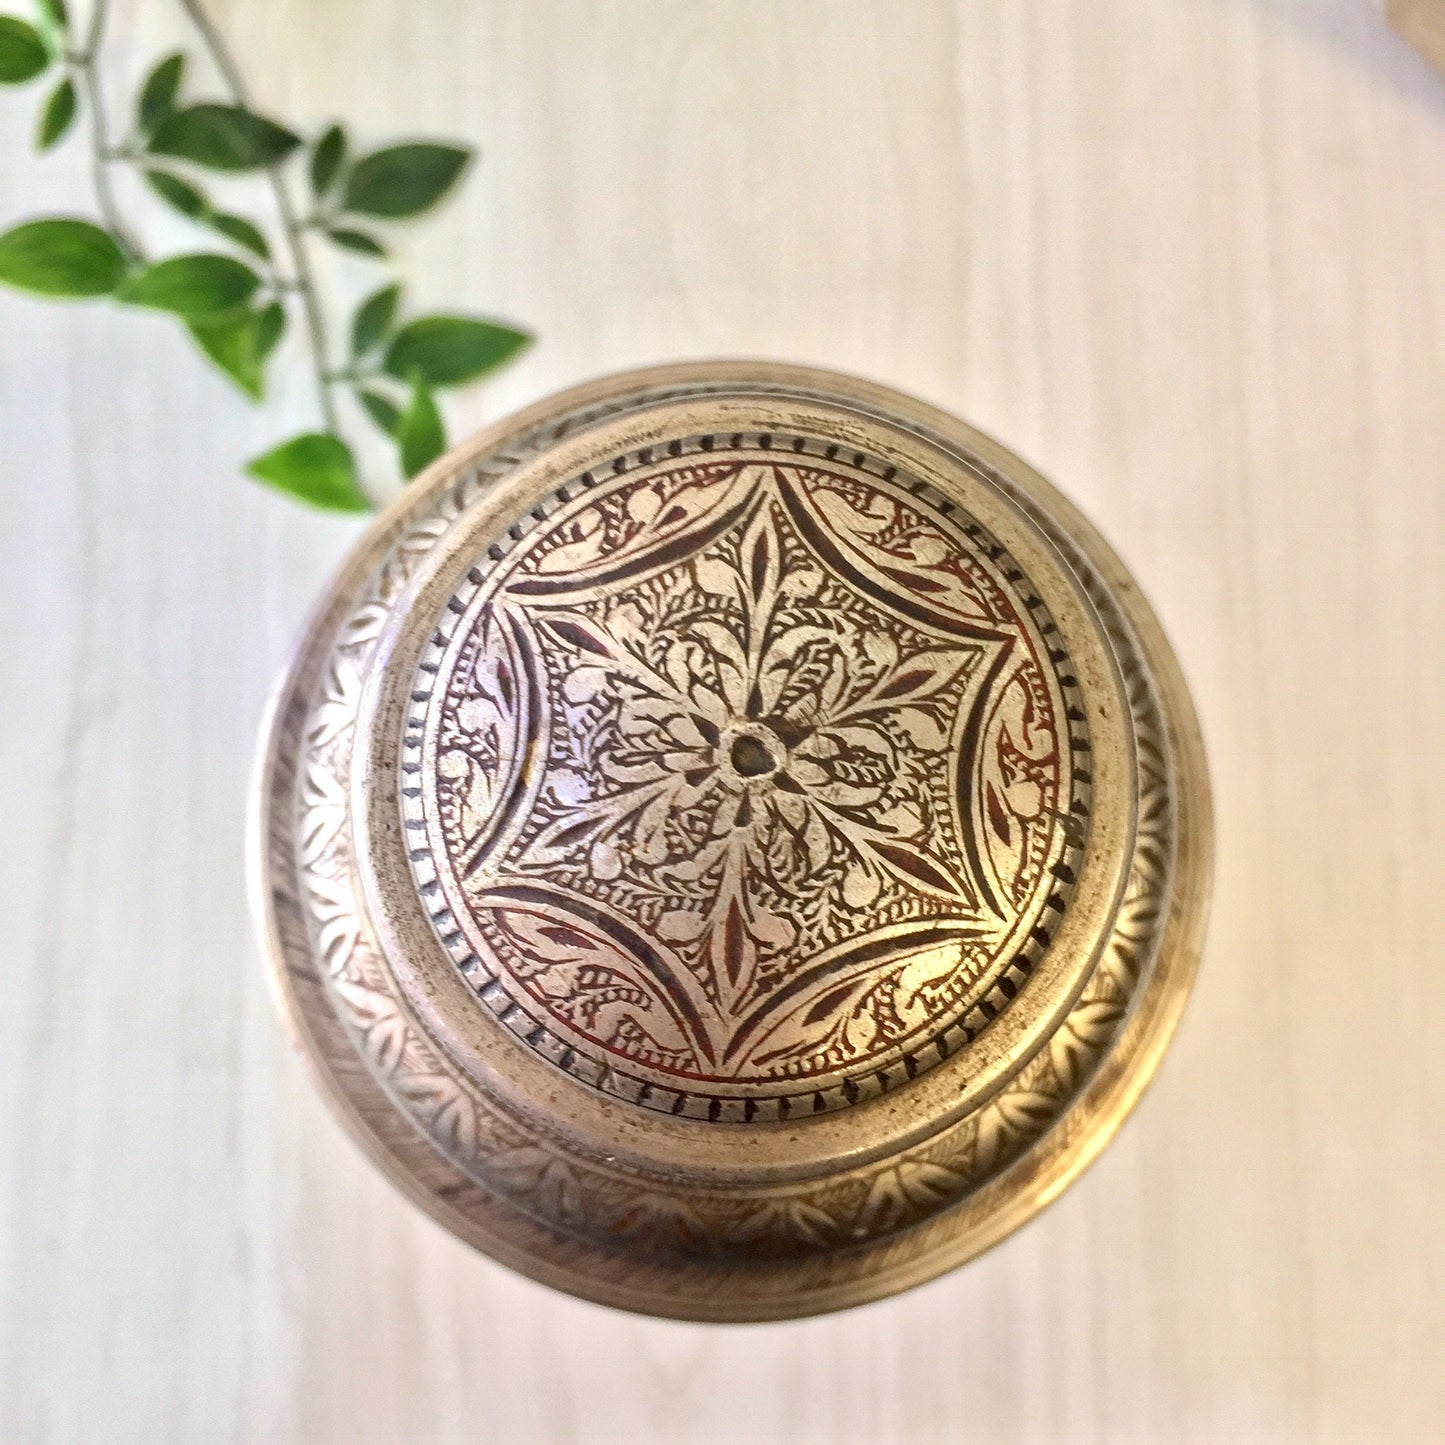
[(553, 1187), (745, 777)]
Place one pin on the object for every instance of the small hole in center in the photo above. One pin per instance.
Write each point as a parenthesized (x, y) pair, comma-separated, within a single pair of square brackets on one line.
[(751, 758)]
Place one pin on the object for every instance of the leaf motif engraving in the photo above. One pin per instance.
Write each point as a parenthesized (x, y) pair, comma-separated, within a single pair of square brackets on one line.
[(545, 1180), (1082, 1038), (323, 800), (1014, 1119), (905, 1192), (787, 1221)]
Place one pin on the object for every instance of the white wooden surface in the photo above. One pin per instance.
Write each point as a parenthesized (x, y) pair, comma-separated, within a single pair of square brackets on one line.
[(1189, 257)]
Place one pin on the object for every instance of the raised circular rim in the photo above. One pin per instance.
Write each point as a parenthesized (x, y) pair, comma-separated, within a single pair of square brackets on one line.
[(983, 1217), (739, 1102), (609, 1125)]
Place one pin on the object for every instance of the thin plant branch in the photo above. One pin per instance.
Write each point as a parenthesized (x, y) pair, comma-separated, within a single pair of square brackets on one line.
[(85, 67), (305, 283)]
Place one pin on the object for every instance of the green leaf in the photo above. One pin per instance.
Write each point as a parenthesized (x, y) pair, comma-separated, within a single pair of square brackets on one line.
[(223, 138), (158, 94), (359, 242), (270, 328), (420, 434), (403, 180), (57, 116), (373, 319), (22, 52), (195, 205), (54, 26), (328, 155), (61, 258), (382, 410), (179, 194), (242, 232), (201, 287), (448, 350), (232, 344), (318, 468)]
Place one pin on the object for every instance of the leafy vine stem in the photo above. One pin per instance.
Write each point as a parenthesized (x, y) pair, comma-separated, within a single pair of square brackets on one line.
[(225, 63), (85, 65), (238, 302)]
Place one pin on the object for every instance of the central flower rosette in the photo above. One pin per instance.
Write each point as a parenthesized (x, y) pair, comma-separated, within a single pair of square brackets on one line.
[(744, 743)]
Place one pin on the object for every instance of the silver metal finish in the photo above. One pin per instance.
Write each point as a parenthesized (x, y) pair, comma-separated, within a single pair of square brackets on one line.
[(733, 840)]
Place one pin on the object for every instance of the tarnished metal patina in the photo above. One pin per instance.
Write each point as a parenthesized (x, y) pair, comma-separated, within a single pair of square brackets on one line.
[(733, 840)]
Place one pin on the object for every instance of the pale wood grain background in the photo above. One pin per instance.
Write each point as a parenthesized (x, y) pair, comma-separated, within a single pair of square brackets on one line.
[(1189, 257)]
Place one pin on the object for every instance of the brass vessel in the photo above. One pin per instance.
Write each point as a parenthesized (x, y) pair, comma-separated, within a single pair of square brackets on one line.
[(733, 841)]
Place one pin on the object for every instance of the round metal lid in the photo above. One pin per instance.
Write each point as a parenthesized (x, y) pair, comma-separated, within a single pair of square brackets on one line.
[(733, 841)]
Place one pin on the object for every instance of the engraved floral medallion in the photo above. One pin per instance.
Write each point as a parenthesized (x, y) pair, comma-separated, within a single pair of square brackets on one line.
[(746, 778)]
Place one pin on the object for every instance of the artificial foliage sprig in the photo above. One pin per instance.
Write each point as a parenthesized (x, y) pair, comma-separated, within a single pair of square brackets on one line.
[(249, 282)]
